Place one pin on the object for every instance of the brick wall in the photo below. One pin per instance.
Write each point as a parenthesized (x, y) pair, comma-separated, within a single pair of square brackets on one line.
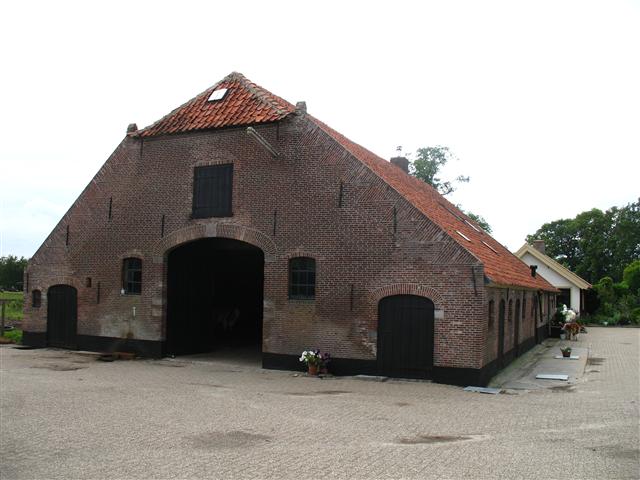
[(361, 252), (530, 319)]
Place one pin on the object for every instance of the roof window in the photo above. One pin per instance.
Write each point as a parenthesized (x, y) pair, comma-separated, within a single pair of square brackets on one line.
[(472, 226), (451, 212), (463, 236), (490, 247), (217, 94)]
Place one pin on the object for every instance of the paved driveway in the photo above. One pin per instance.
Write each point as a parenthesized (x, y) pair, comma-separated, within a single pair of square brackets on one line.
[(65, 415)]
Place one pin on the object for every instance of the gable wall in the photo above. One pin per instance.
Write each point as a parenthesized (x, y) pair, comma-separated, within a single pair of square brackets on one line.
[(353, 245)]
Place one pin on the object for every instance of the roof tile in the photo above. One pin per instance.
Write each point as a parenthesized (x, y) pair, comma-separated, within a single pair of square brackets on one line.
[(244, 104), (500, 265)]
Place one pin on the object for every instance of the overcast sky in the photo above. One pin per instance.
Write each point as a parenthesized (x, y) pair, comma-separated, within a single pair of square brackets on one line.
[(540, 101)]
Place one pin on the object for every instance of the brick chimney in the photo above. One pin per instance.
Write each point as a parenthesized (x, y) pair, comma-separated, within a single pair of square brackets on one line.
[(301, 108), (401, 162), (539, 245)]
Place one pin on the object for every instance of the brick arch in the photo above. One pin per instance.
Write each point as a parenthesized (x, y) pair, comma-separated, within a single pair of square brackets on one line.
[(299, 252), (132, 253), (51, 282), (407, 289), (60, 280), (233, 231)]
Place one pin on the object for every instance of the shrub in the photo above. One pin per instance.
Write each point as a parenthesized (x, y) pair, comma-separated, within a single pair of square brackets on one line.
[(14, 335), (631, 276)]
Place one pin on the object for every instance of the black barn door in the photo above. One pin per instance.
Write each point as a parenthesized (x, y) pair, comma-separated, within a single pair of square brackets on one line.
[(62, 316), (405, 336), (501, 334), (516, 331)]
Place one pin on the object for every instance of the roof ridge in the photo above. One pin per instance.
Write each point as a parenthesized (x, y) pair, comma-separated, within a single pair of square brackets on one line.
[(261, 93), (552, 263), (197, 114)]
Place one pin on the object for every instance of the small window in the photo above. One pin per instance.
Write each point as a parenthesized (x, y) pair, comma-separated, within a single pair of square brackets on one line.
[(490, 247), (36, 299), (524, 308), (472, 226), (491, 308), (463, 235), (302, 278), (212, 191), (518, 310), (132, 276), (217, 95)]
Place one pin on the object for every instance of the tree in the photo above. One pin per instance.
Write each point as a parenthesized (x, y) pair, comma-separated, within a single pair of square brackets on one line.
[(631, 276), (480, 221), (11, 270), (594, 244), (426, 166)]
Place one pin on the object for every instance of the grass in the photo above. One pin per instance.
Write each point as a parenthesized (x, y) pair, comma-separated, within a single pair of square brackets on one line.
[(13, 308), (14, 335), (12, 313)]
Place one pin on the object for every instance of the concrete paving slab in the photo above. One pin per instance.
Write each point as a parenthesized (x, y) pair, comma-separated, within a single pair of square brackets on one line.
[(523, 373), (552, 376), (68, 416)]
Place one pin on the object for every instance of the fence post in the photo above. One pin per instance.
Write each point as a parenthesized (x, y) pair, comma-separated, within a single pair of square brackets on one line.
[(3, 302)]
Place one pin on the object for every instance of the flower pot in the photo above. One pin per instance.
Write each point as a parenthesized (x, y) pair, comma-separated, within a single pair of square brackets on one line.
[(566, 354), (313, 370), (563, 336)]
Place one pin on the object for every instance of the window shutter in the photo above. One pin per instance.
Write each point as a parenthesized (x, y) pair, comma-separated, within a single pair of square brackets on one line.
[(212, 191)]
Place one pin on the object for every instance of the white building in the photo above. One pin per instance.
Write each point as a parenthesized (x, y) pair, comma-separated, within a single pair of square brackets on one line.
[(571, 286)]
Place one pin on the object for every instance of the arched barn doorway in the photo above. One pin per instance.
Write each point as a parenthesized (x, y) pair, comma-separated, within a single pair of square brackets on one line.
[(214, 296), (405, 336), (62, 316)]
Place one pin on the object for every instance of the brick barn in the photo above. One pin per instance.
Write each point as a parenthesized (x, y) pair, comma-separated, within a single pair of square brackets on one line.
[(239, 218)]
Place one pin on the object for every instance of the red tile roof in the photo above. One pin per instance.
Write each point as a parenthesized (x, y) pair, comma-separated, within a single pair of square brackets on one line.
[(245, 103), (500, 265)]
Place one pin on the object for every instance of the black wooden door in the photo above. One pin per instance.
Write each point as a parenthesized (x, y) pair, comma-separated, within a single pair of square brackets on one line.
[(516, 330), (62, 316), (501, 334), (405, 336)]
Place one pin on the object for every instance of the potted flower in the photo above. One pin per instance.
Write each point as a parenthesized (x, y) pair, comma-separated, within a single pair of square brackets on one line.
[(566, 352), (312, 359)]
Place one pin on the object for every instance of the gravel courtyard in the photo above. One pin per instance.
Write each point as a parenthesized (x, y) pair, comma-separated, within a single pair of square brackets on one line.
[(66, 415)]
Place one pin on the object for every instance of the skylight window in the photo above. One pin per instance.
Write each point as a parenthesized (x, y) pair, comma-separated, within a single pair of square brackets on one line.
[(463, 236), (218, 94), (472, 226), (490, 247)]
